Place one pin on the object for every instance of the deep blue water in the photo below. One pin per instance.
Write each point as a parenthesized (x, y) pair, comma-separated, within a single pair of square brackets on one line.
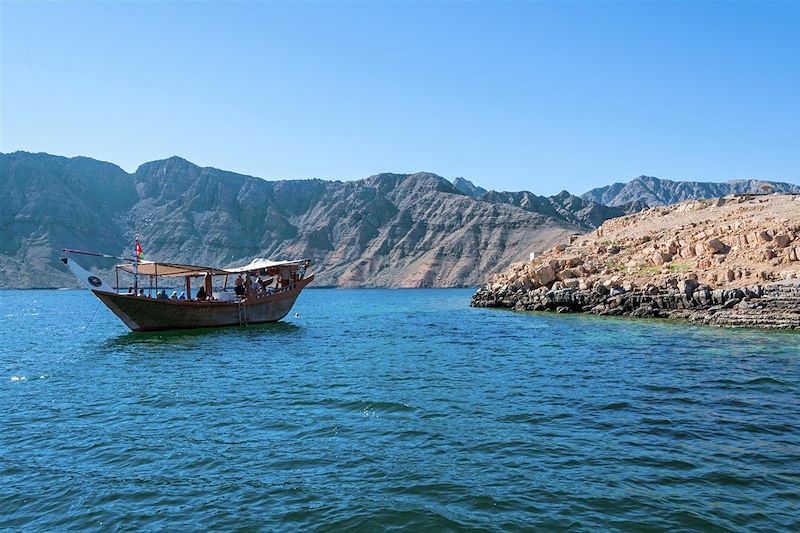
[(378, 409)]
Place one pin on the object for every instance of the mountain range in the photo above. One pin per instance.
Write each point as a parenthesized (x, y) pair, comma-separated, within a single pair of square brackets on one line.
[(388, 230), (656, 192)]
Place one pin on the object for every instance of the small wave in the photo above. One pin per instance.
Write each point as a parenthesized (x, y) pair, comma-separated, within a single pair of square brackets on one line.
[(434, 416), (669, 431), (427, 488), (663, 388), (661, 463), (373, 518), (379, 407), (26, 378), (685, 400), (787, 495), (657, 421), (693, 521), (532, 418), (733, 402), (763, 380), (616, 406), (358, 405), (728, 479)]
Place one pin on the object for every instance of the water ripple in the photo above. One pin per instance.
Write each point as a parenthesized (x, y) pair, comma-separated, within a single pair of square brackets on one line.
[(389, 410)]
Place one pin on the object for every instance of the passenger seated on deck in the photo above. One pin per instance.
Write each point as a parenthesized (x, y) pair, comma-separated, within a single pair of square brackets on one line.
[(142, 294), (262, 287), (162, 295), (239, 286), (201, 294), (174, 295), (182, 296), (130, 291)]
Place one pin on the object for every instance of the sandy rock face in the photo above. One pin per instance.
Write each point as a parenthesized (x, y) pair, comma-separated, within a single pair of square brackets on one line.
[(688, 251)]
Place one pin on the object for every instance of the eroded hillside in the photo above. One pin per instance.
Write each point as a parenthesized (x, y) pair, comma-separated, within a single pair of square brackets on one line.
[(389, 230)]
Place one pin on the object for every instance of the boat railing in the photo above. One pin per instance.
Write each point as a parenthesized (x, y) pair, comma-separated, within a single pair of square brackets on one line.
[(277, 290), (271, 291)]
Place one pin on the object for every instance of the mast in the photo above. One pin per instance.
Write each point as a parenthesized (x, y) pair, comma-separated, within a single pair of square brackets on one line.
[(136, 249)]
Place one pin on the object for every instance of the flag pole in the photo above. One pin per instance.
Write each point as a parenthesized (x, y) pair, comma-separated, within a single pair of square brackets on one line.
[(136, 266)]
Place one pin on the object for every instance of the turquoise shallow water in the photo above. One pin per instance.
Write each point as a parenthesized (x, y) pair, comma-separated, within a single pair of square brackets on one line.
[(379, 409)]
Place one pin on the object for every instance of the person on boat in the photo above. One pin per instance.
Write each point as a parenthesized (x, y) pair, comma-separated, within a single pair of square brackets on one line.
[(182, 296), (201, 294), (142, 294), (262, 287), (239, 286), (174, 295), (130, 291), (252, 285), (162, 295)]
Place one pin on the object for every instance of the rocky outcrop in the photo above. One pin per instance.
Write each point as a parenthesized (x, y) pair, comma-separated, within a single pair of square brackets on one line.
[(771, 306), (467, 187), (732, 261)]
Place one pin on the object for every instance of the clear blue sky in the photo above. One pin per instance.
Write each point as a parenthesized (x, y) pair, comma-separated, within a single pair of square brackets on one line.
[(537, 96)]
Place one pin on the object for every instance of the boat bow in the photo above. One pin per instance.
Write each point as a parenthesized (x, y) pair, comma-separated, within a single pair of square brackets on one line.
[(89, 280)]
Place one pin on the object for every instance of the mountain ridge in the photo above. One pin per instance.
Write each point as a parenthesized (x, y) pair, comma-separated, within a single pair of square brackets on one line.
[(387, 230), (657, 192)]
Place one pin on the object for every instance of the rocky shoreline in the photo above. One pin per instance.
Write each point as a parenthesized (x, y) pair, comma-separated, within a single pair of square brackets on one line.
[(729, 262), (772, 306)]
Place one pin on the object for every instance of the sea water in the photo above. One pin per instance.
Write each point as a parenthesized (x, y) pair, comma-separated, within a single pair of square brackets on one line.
[(381, 409)]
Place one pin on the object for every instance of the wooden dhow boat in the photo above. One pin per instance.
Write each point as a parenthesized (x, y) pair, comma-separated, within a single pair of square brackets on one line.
[(262, 291)]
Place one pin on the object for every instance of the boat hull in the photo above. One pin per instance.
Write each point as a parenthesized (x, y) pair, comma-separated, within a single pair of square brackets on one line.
[(148, 314)]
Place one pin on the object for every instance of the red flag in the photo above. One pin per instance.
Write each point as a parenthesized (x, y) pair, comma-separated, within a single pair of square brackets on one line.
[(139, 253)]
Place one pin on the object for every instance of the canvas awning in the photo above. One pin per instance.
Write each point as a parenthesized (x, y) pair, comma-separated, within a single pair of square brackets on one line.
[(153, 268), (259, 263)]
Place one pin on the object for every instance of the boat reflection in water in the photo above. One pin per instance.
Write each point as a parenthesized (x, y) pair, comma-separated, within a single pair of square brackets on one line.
[(264, 291)]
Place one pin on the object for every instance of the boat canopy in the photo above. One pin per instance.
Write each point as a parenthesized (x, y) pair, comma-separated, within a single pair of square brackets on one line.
[(154, 268), (260, 263)]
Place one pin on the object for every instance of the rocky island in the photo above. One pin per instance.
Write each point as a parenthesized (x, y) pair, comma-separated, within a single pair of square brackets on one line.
[(730, 261)]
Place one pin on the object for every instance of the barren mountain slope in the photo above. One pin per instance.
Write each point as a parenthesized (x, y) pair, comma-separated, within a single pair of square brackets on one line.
[(389, 230), (52, 202)]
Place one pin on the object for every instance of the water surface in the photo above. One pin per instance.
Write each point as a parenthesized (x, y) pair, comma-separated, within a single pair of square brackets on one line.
[(378, 409)]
